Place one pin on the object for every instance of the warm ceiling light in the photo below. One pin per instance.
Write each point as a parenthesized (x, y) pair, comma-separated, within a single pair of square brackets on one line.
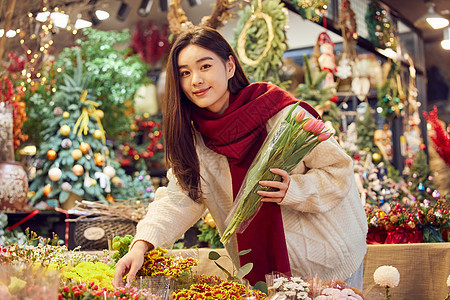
[(164, 5), (80, 23), (42, 16), (59, 19), (144, 8), (95, 20), (101, 14), (123, 11), (431, 18), (446, 41), (194, 2)]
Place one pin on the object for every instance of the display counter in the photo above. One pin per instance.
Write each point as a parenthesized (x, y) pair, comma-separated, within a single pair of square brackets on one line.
[(424, 269)]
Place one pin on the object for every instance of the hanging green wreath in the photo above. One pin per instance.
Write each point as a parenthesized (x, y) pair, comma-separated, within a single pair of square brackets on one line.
[(381, 29), (261, 40), (312, 10), (391, 96)]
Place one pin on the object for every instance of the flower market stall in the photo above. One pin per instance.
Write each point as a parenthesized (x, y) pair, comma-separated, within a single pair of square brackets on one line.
[(82, 144)]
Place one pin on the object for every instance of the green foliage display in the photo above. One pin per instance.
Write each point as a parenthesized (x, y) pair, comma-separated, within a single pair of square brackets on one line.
[(115, 74), (67, 113), (209, 235), (365, 128), (121, 245), (10, 236), (319, 97)]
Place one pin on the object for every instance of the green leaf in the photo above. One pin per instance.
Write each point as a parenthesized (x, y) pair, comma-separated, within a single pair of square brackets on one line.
[(244, 270), (243, 252), (213, 255), (63, 196), (262, 286)]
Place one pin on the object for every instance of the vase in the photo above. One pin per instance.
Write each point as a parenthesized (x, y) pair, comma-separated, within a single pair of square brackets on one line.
[(159, 286), (13, 186)]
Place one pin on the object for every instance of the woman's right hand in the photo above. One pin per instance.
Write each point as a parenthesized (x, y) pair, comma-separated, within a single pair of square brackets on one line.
[(130, 263)]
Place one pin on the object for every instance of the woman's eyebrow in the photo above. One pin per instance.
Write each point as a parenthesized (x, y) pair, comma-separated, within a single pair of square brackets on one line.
[(198, 60)]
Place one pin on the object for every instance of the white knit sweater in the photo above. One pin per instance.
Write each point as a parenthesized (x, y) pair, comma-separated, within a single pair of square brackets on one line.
[(324, 221)]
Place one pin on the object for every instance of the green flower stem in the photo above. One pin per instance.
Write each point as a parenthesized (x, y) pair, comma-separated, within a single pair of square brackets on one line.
[(387, 295)]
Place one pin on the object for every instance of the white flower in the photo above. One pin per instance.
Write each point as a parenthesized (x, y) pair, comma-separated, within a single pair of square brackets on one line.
[(386, 276), (448, 281)]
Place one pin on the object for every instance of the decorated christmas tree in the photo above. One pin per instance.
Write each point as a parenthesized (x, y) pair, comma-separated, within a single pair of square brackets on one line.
[(73, 156), (365, 128), (420, 179), (319, 97), (115, 73)]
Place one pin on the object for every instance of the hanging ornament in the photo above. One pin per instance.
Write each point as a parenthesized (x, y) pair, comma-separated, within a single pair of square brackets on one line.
[(98, 134), (109, 171), (78, 170), (65, 130), (376, 157), (66, 143), (77, 154), (54, 174), (421, 187), (67, 187), (436, 194), (57, 111), (99, 160), (85, 147), (47, 189), (93, 181), (51, 154), (116, 180), (66, 115)]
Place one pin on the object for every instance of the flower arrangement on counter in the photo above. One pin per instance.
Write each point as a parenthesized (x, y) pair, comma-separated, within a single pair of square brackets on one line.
[(157, 264), (420, 222)]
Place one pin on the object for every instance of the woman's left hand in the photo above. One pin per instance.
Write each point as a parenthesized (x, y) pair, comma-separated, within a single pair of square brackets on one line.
[(278, 195)]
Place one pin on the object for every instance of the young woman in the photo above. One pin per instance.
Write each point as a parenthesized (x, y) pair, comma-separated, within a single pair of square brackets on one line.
[(214, 122)]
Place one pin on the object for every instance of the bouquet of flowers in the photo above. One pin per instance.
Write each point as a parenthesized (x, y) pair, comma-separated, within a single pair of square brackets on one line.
[(290, 141)]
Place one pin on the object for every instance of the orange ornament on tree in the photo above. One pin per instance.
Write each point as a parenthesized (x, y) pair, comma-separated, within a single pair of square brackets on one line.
[(77, 154), (65, 130), (99, 160), (51, 154), (97, 134), (100, 113), (85, 147), (78, 170), (47, 189)]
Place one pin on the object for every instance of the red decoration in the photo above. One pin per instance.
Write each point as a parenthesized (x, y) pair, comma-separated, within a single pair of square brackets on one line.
[(150, 42), (13, 97), (441, 139)]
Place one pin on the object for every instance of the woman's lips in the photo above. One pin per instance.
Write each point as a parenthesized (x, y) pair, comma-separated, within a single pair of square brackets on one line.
[(201, 92)]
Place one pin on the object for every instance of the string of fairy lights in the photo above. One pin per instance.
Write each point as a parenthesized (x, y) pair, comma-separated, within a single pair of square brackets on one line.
[(36, 38)]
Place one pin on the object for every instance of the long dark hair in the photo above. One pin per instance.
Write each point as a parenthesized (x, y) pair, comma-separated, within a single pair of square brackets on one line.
[(179, 137)]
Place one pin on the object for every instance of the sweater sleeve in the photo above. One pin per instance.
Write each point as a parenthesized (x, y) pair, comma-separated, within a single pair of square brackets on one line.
[(321, 180), (169, 216)]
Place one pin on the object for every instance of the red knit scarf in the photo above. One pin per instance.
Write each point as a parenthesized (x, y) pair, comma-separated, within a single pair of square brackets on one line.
[(238, 134)]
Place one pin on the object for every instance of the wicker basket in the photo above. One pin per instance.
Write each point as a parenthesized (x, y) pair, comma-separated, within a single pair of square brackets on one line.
[(93, 233)]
